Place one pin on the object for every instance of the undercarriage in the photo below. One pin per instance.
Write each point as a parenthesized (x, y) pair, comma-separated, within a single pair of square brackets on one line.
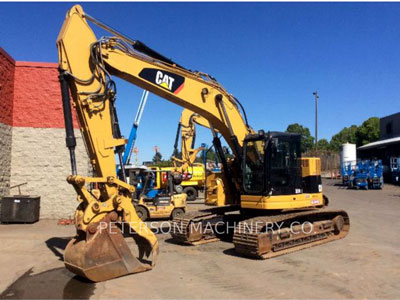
[(263, 236)]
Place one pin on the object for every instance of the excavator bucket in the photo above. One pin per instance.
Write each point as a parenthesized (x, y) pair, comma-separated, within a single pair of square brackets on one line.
[(101, 253)]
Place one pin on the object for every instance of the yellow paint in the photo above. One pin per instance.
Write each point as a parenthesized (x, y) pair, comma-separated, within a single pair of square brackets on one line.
[(216, 191), (310, 166), (164, 211), (282, 201), (164, 85), (199, 94)]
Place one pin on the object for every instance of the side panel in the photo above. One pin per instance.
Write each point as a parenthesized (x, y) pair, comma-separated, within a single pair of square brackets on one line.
[(281, 202)]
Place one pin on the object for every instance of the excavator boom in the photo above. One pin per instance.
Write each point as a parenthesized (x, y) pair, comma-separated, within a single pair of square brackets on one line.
[(187, 132), (216, 190), (264, 175), (86, 65)]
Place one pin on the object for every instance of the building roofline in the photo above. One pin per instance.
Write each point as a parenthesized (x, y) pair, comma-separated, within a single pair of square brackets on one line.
[(27, 63), (390, 116), (380, 143), (36, 64), (8, 56)]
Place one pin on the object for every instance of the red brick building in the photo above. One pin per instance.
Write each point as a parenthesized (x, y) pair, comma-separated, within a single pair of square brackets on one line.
[(32, 136)]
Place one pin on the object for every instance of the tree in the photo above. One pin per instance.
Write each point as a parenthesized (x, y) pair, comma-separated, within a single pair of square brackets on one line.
[(368, 132), (211, 154), (164, 163), (307, 141), (323, 144), (346, 135), (157, 158)]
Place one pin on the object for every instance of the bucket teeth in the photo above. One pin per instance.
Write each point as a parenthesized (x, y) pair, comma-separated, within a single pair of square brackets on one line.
[(101, 253)]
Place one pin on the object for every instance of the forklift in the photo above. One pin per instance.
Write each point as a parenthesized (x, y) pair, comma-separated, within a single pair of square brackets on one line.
[(151, 201)]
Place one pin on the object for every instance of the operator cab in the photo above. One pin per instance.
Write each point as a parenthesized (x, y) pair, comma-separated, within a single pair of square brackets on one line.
[(139, 176), (272, 164)]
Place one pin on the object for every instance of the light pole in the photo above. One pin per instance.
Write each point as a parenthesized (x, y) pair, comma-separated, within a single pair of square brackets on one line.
[(156, 158), (136, 151), (316, 118)]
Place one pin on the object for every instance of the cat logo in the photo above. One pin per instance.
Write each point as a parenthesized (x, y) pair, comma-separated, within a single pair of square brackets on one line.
[(164, 80), (167, 80)]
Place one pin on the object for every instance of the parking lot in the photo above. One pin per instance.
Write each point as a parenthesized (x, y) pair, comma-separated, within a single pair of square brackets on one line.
[(366, 264)]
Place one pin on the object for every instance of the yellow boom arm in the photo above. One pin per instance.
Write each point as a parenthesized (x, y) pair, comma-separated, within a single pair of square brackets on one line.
[(187, 131), (216, 191), (86, 65)]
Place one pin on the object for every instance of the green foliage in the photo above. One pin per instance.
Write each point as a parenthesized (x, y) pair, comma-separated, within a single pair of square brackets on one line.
[(368, 132), (157, 158), (307, 141), (323, 144), (346, 135), (164, 163), (211, 155), (159, 162)]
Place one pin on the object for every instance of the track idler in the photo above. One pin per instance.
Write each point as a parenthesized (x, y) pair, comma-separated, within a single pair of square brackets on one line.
[(101, 253)]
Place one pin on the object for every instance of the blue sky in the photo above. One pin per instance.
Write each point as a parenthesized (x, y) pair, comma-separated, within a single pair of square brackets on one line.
[(271, 56)]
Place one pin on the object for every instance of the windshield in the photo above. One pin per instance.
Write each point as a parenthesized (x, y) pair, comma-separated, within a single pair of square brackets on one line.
[(253, 174), (285, 170), (280, 174), (285, 153)]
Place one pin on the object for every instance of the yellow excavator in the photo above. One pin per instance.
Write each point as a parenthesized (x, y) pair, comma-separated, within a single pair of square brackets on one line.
[(263, 182), (211, 179), (215, 194), (187, 131), (193, 172), (163, 191)]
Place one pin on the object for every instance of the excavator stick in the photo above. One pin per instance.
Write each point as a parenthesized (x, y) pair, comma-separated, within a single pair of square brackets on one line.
[(101, 253)]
